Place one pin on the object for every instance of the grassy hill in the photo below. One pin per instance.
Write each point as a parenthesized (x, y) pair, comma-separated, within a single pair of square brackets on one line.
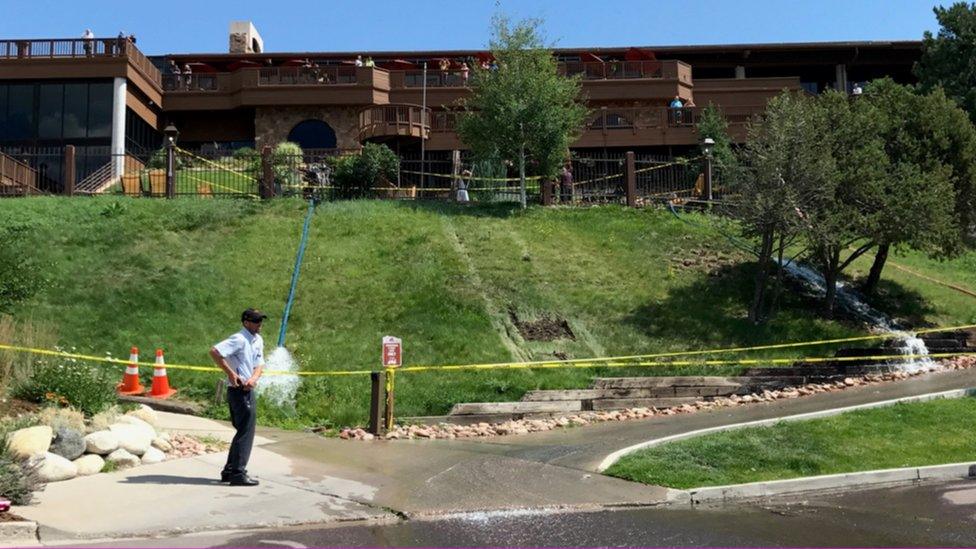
[(458, 284)]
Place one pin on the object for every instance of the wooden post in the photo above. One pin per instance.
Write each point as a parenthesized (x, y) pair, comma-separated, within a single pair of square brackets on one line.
[(267, 173), (390, 374), (69, 170), (631, 183), (376, 389)]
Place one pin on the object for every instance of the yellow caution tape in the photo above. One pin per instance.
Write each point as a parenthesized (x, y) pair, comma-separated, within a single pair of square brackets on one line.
[(619, 361), (211, 162)]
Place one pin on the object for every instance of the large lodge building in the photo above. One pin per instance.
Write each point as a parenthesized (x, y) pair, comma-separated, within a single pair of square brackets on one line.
[(108, 100)]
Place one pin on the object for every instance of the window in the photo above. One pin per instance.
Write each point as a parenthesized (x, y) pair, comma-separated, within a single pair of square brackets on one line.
[(3, 111), (75, 110), (20, 111), (50, 111), (100, 110)]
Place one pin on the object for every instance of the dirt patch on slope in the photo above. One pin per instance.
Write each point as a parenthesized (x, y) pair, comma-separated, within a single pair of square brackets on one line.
[(547, 328)]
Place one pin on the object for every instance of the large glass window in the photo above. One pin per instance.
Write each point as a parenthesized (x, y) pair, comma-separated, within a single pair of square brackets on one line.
[(50, 111), (100, 110), (75, 110), (20, 111), (3, 112)]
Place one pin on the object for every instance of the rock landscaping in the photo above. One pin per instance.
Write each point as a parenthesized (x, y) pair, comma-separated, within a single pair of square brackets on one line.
[(128, 440), (525, 426)]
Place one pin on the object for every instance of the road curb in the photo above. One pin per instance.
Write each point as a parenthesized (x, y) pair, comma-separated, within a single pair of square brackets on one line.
[(615, 456), (18, 534), (755, 490)]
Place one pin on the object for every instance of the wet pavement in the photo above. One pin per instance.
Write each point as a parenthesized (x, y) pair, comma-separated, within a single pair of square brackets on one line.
[(926, 515)]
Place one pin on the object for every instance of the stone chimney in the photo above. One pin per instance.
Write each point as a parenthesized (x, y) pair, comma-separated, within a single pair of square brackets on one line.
[(244, 38)]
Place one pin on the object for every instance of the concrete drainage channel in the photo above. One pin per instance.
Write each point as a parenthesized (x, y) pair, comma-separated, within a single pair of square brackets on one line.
[(757, 490)]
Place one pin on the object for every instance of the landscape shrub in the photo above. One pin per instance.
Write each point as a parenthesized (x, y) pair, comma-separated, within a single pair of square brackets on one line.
[(88, 388), (16, 367), (286, 159), (247, 159), (18, 479), (355, 176)]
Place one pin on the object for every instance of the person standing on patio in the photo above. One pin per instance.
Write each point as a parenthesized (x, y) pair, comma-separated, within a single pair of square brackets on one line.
[(174, 70), (676, 106), (566, 184), (359, 61), (187, 75), (465, 71), (89, 42), (241, 357)]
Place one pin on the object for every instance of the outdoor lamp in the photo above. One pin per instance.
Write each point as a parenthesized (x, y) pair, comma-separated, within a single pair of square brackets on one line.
[(707, 145), (171, 133)]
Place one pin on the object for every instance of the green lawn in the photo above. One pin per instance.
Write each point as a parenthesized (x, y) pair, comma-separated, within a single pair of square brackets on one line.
[(903, 435), (447, 279)]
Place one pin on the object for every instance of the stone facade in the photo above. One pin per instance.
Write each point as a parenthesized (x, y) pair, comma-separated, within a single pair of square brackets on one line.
[(273, 124)]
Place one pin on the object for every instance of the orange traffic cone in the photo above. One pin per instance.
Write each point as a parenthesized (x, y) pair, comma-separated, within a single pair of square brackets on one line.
[(160, 385), (130, 381)]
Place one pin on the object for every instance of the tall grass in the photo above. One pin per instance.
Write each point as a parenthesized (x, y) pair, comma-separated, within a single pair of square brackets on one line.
[(18, 367)]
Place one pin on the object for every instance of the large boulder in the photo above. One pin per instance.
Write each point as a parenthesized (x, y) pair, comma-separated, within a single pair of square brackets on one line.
[(30, 442), (132, 438), (145, 413), (89, 464), (68, 443), (102, 443), (122, 459), (162, 444), (139, 424), (54, 468), (153, 455)]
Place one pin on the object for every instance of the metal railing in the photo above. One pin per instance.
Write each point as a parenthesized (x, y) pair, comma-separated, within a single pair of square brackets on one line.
[(16, 178), (79, 48), (306, 76), (614, 70), (436, 78)]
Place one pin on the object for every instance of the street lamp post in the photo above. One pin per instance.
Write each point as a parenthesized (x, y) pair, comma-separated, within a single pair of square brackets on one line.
[(171, 133), (707, 146)]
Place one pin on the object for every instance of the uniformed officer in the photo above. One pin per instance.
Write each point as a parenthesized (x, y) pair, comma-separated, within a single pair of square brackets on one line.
[(241, 357)]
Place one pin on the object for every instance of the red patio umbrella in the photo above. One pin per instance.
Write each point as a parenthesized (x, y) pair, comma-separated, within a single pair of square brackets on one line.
[(588, 57), (637, 54), (397, 65), (243, 63), (199, 67), (293, 63)]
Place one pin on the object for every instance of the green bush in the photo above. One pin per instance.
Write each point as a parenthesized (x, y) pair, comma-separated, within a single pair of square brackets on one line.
[(355, 176), (88, 388), (158, 160), (286, 159), (22, 273), (246, 158), (18, 481)]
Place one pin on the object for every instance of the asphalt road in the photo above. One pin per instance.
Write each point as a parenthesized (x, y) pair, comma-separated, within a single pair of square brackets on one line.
[(927, 515)]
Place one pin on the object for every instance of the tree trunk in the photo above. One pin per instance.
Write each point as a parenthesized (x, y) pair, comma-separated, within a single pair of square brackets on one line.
[(756, 311), (778, 286), (871, 284), (830, 280)]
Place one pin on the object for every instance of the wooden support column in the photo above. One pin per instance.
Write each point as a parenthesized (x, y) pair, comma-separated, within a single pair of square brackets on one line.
[(69, 170), (631, 180), (375, 401), (267, 173)]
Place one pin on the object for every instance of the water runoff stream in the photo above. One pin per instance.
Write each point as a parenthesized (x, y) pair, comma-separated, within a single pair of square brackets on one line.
[(851, 301)]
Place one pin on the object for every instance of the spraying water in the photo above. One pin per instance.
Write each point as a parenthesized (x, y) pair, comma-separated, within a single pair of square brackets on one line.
[(280, 388), (848, 299)]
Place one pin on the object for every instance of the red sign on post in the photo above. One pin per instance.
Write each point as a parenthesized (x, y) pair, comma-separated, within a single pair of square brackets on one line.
[(392, 352)]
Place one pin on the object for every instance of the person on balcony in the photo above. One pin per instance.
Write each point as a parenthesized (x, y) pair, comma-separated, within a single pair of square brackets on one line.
[(174, 70), (359, 61), (89, 42), (676, 106), (369, 62), (187, 75), (465, 72), (120, 43), (444, 64)]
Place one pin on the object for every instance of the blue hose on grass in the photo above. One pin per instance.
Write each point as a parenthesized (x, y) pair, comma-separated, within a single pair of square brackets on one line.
[(294, 273)]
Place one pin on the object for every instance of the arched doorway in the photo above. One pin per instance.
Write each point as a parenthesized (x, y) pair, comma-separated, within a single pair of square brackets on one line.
[(313, 134)]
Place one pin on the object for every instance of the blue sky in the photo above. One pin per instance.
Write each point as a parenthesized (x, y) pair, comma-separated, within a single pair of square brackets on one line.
[(179, 26)]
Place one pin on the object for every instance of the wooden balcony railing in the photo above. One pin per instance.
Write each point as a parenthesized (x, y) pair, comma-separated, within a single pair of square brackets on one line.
[(307, 76), (620, 70), (79, 48), (16, 177), (394, 120)]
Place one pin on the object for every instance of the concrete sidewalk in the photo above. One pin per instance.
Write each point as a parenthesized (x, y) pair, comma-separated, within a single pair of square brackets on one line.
[(310, 479)]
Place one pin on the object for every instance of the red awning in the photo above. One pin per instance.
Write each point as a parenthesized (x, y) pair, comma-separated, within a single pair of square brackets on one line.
[(396, 65), (200, 67), (243, 63), (293, 63), (636, 54)]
